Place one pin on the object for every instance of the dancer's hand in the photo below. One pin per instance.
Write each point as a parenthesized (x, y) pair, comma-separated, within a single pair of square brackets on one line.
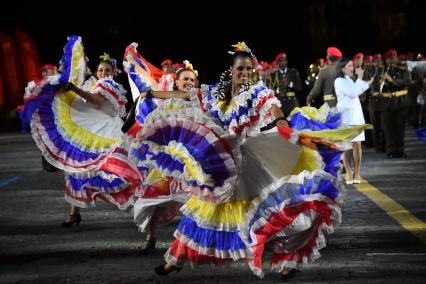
[(67, 86), (281, 123)]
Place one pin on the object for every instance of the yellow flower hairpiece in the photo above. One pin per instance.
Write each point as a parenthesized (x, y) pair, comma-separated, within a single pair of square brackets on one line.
[(188, 65), (241, 46), (105, 57)]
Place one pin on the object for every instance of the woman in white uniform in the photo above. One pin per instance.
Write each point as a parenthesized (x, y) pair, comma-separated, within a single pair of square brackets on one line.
[(348, 92)]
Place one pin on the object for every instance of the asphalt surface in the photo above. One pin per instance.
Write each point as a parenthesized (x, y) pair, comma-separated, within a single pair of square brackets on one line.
[(368, 247)]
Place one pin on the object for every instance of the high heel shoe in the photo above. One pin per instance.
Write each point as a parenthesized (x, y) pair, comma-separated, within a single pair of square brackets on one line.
[(161, 269), (147, 247), (349, 179), (290, 274), (76, 221)]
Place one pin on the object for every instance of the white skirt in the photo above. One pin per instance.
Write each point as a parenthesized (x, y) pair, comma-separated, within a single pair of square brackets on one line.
[(359, 138)]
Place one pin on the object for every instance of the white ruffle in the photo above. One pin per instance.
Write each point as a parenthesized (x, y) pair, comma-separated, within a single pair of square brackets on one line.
[(34, 88), (43, 142), (246, 232), (119, 101), (175, 112), (242, 101)]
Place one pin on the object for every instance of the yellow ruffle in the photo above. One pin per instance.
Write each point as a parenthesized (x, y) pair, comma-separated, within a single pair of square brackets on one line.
[(77, 58), (192, 169), (313, 113), (309, 160), (81, 137), (340, 134), (230, 213), (155, 176)]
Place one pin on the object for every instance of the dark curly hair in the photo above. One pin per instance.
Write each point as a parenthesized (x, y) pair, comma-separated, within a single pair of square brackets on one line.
[(223, 91)]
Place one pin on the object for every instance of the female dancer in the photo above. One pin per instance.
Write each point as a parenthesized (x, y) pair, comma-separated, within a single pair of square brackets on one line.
[(78, 130), (246, 187), (159, 202)]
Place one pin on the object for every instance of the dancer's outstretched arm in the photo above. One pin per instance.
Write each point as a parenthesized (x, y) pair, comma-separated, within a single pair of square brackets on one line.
[(166, 95), (279, 116), (96, 99)]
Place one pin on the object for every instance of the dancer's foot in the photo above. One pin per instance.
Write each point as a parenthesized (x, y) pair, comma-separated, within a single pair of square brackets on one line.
[(288, 273), (72, 219), (166, 268), (147, 247), (357, 179), (349, 178)]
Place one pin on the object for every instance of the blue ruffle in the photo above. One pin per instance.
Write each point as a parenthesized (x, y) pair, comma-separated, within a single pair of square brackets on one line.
[(300, 122), (142, 86), (208, 238), (421, 133), (199, 147), (79, 184), (296, 193), (67, 59), (46, 118), (241, 111), (46, 95), (145, 107), (331, 160)]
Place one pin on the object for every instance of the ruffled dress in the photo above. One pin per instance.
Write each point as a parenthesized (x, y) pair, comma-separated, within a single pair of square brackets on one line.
[(160, 193), (79, 138), (247, 188)]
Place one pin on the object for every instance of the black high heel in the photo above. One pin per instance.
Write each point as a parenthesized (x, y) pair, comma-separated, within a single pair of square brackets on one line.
[(76, 221), (161, 270), (291, 274), (148, 246)]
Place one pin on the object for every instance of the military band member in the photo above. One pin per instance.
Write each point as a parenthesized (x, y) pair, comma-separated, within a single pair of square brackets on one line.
[(324, 86), (393, 104), (286, 83)]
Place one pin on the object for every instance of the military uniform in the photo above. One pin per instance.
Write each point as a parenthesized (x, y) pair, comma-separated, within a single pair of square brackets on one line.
[(324, 85), (365, 98), (286, 93), (374, 111), (393, 103)]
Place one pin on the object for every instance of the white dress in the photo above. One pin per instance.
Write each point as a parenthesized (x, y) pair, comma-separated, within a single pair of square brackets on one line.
[(348, 92)]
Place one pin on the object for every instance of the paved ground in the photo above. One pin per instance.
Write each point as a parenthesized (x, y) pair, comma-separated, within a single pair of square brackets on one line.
[(369, 246)]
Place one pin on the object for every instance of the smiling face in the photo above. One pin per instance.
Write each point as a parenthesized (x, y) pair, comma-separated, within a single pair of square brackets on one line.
[(348, 69), (242, 70), (104, 70), (185, 80)]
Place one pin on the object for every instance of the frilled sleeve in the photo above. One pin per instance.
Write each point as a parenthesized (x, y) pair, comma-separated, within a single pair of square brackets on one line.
[(113, 92)]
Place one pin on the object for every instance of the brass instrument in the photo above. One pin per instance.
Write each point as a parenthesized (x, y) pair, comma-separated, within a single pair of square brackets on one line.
[(382, 80)]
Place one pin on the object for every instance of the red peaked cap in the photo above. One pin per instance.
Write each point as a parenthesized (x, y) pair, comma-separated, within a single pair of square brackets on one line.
[(264, 65), (390, 53), (368, 57), (166, 62), (178, 65), (334, 51), (377, 56), (48, 67), (358, 55), (280, 55)]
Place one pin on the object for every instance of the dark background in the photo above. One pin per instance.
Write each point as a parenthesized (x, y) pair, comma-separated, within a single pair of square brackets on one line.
[(203, 32)]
